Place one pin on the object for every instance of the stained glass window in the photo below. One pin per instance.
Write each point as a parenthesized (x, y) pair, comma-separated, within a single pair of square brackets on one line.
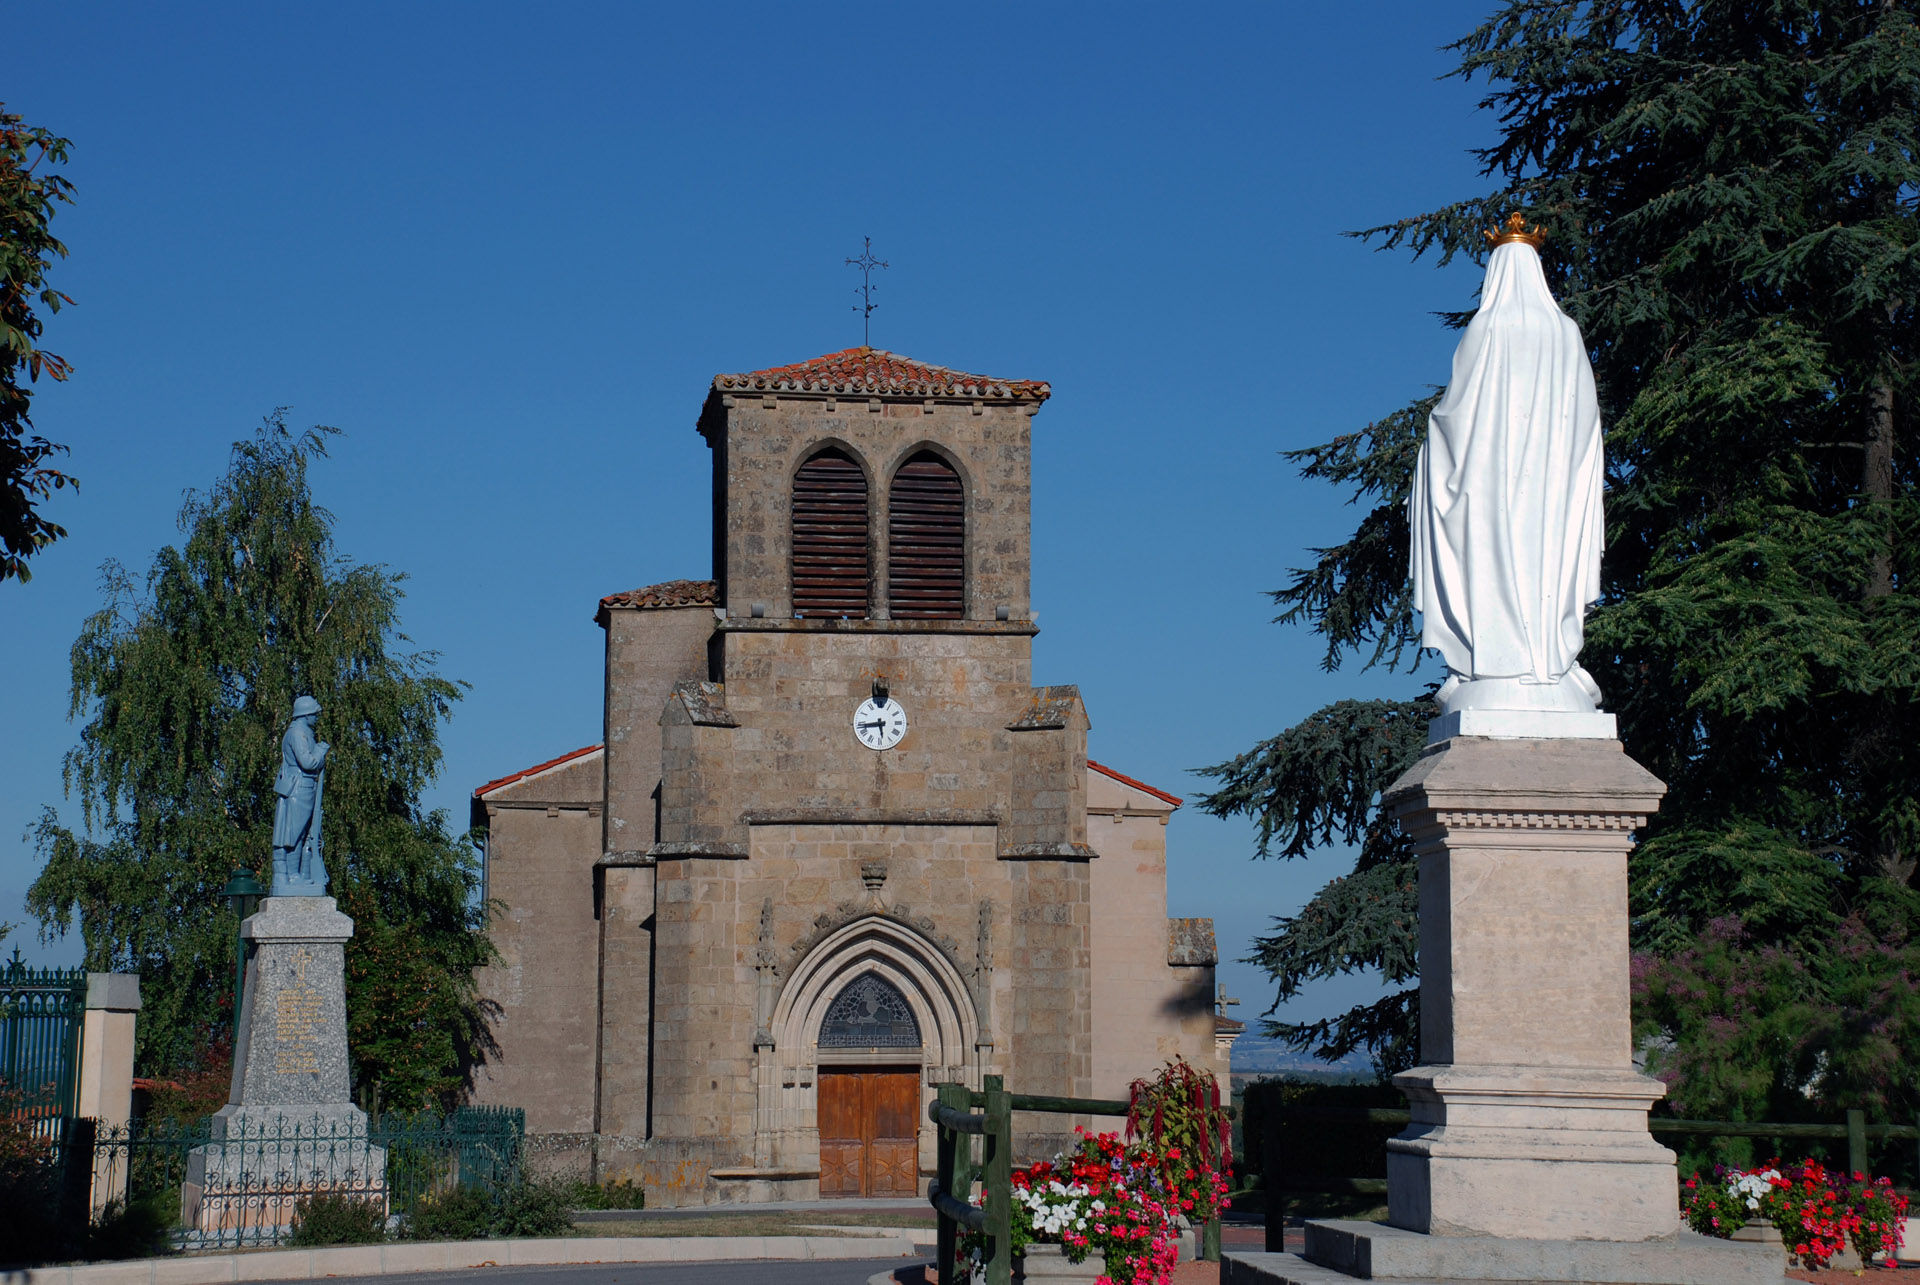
[(869, 1014)]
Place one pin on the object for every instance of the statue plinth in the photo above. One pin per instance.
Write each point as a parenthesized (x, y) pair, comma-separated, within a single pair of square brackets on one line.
[(289, 1128), (1529, 1119), (1528, 1156)]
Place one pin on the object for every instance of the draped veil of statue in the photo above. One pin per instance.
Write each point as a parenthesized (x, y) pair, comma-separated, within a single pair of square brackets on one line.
[(298, 870), (1506, 503)]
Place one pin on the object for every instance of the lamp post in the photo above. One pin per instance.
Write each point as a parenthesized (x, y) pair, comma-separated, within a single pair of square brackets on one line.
[(243, 893)]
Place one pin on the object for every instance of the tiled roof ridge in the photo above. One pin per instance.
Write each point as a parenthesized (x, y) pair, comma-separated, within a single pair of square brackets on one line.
[(1124, 779), (668, 593), (875, 370), (536, 769)]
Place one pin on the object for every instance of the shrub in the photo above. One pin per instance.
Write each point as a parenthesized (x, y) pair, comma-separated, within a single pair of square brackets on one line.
[(623, 1194), (133, 1229), (528, 1208), (515, 1208), (458, 1213), (337, 1218)]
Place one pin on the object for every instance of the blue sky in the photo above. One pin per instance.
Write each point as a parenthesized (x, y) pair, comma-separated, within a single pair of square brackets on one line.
[(506, 248)]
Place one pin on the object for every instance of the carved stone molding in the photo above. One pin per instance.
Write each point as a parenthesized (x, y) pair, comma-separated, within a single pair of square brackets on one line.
[(1497, 820)]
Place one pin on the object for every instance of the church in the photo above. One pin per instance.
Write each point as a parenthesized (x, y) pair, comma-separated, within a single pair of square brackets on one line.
[(834, 848)]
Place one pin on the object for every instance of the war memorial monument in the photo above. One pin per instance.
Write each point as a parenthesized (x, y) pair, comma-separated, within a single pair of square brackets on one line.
[(1528, 1156), (289, 1128)]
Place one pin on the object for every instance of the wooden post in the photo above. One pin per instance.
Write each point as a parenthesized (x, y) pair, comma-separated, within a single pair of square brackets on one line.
[(1857, 1142), (955, 1169), (1271, 1177), (999, 1183)]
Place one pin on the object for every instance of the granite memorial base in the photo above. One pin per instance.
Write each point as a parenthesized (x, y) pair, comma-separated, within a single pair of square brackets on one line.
[(289, 1130)]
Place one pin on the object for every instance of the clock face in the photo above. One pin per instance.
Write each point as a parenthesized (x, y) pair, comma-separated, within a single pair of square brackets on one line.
[(878, 726)]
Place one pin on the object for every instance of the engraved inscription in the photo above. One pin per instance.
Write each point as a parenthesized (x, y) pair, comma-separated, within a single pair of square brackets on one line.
[(296, 1023)]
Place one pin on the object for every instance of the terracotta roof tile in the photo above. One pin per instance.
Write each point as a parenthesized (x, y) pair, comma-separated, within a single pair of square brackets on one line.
[(1162, 795), (535, 770), (668, 593), (872, 371)]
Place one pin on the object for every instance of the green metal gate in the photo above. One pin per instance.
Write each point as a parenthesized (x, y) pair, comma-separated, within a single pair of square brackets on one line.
[(41, 1013)]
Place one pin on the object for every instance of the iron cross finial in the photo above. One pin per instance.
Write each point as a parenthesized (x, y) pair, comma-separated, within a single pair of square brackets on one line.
[(866, 263)]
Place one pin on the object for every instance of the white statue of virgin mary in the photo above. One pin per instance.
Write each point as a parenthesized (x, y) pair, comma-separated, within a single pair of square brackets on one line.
[(1505, 511)]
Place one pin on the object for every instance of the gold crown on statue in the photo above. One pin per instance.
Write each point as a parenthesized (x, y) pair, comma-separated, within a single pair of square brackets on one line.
[(1515, 229)]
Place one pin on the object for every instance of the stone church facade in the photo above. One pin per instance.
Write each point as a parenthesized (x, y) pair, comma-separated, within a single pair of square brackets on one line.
[(835, 847)]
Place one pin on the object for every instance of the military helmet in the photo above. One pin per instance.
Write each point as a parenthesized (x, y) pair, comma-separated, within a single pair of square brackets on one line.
[(304, 706)]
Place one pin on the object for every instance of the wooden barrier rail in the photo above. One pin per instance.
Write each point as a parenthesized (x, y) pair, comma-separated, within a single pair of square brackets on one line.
[(951, 1191)]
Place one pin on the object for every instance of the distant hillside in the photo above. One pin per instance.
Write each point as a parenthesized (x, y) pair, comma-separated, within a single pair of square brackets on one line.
[(1253, 1055)]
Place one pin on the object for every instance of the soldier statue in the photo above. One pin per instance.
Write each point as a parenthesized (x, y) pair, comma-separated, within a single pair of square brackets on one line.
[(297, 868)]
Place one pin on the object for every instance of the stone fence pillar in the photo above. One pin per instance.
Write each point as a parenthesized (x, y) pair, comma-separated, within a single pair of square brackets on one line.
[(106, 1070)]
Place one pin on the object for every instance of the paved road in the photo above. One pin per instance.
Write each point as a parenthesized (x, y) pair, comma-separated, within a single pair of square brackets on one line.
[(784, 1271)]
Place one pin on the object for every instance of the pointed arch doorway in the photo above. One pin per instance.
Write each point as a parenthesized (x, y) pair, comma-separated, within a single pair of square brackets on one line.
[(869, 1111), (914, 1024)]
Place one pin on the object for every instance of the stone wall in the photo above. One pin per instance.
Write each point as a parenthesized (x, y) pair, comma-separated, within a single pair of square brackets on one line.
[(1146, 1009), (775, 742), (543, 837)]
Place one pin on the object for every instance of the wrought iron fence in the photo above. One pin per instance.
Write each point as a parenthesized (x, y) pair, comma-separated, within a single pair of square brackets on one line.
[(41, 1014), (238, 1185)]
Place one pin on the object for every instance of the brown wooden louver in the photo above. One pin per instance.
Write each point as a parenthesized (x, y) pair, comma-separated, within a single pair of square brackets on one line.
[(926, 541), (830, 537)]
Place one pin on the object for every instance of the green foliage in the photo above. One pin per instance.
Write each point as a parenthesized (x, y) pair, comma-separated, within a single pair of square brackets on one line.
[(28, 195), (1743, 1028), (38, 1228), (1178, 1113), (337, 1218), (533, 1208), (1316, 784), (186, 690), (1732, 196), (458, 1213), (621, 1194), (517, 1208)]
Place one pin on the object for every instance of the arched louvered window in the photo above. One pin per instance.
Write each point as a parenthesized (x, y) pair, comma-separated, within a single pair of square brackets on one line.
[(926, 541), (830, 537)]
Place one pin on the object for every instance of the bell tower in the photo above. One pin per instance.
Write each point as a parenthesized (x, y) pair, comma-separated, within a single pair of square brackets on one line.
[(867, 486)]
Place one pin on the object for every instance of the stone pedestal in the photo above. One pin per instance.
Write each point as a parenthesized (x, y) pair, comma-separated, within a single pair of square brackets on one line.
[(289, 1129), (1528, 1156)]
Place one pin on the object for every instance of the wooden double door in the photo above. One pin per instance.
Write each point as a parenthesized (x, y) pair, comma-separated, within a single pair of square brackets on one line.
[(869, 1132)]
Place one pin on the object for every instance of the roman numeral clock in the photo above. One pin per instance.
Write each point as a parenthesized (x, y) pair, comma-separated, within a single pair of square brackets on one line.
[(880, 721)]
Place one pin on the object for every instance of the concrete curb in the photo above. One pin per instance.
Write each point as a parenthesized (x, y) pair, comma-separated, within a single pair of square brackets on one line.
[(906, 1275), (455, 1255)]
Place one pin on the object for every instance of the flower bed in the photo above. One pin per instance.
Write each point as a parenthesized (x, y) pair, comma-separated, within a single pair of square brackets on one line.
[(1818, 1213), (1104, 1197)]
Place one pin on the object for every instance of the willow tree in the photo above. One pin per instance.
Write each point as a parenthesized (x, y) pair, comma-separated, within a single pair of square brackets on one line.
[(185, 687), (1730, 194)]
